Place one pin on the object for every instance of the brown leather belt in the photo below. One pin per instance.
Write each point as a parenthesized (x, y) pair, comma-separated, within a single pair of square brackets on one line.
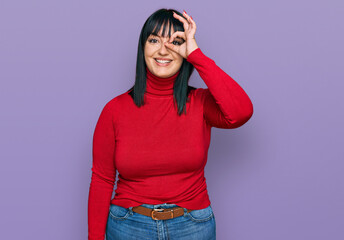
[(160, 214)]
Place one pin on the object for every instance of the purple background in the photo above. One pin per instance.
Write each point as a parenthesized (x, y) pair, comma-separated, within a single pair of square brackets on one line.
[(280, 176)]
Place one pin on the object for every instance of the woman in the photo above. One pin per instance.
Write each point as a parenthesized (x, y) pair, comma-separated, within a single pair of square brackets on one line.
[(157, 136)]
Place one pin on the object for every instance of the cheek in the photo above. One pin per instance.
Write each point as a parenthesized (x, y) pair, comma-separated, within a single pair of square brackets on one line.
[(179, 62), (147, 56), (147, 52)]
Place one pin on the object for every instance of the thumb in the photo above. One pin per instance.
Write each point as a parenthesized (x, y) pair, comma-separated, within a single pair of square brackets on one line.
[(171, 46)]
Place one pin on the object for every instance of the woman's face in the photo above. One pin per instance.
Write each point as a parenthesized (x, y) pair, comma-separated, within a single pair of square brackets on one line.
[(156, 50)]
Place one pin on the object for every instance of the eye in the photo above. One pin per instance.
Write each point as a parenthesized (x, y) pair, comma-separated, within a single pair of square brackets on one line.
[(177, 43), (152, 40)]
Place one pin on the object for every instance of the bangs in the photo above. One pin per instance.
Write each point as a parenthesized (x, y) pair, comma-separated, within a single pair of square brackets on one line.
[(164, 21)]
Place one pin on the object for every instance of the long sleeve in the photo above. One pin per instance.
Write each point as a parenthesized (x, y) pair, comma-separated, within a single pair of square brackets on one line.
[(225, 103), (103, 174)]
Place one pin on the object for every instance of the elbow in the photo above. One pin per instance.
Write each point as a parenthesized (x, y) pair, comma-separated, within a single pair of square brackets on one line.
[(99, 179), (249, 112), (241, 119)]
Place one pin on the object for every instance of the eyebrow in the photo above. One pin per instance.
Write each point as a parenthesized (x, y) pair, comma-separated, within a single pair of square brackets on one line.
[(160, 36)]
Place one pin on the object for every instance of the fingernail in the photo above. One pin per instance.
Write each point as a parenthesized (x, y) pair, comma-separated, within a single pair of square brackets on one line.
[(184, 11), (191, 17)]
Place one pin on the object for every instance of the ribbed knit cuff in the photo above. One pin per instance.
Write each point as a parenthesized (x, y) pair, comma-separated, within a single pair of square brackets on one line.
[(194, 54)]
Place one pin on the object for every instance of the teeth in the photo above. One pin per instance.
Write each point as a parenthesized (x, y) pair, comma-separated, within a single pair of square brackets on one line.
[(163, 61)]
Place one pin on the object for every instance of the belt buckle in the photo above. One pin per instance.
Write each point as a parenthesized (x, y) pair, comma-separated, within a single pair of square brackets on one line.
[(160, 210)]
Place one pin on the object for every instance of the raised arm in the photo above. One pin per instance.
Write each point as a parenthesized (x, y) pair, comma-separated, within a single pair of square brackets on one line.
[(103, 174), (225, 103)]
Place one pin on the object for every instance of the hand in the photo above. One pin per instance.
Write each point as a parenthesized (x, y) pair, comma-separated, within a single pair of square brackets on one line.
[(188, 35)]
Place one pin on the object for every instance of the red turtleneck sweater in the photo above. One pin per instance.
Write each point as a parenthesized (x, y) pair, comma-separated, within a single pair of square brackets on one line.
[(159, 155)]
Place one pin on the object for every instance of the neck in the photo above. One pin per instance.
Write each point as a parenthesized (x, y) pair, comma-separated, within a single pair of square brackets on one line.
[(158, 86)]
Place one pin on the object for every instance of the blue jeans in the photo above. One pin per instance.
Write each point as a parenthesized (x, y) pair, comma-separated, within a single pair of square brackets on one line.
[(125, 224)]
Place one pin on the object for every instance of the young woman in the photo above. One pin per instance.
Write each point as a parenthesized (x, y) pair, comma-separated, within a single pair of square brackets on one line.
[(157, 136)]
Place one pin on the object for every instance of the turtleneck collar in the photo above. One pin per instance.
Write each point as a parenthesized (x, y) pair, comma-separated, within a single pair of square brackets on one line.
[(158, 86)]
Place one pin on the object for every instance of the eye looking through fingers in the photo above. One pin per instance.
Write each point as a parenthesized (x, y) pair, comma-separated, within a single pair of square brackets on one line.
[(176, 41)]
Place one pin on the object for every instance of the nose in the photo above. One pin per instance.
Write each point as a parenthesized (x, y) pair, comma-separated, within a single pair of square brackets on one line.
[(163, 49)]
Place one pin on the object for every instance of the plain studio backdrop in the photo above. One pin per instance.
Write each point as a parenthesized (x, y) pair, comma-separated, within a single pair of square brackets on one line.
[(280, 176)]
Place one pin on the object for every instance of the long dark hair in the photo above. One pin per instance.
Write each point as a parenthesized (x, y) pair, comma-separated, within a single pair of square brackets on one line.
[(181, 89)]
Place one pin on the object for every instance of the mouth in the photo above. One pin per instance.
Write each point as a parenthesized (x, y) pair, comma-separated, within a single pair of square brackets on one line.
[(162, 62)]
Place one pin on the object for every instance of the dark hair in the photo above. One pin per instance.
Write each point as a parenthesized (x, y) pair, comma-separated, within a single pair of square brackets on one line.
[(181, 89)]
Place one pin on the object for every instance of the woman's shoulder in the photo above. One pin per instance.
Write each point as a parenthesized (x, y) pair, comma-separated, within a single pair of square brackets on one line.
[(117, 100)]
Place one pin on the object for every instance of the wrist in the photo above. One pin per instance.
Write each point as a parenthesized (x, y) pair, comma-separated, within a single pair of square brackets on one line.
[(192, 46)]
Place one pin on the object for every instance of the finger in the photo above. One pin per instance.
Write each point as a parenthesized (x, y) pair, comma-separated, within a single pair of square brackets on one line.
[(183, 20), (177, 34), (193, 24), (186, 16), (190, 20), (171, 46)]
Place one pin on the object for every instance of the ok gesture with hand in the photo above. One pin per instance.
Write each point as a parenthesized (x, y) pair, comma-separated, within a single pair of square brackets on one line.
[(188, 35)]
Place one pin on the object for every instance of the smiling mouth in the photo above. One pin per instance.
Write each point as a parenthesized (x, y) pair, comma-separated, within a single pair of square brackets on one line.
[(162, 61)]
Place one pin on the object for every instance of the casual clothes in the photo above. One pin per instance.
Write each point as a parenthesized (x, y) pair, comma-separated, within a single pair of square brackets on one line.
[(160, 156)]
